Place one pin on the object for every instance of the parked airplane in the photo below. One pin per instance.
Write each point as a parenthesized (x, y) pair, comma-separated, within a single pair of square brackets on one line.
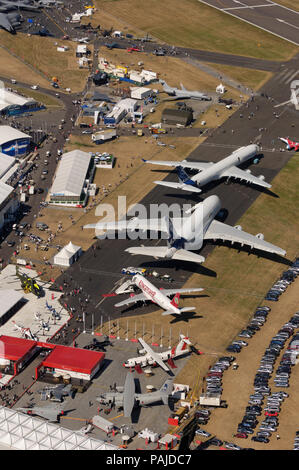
[(50, 412), (189, 233), (150, 357), (209, 171), (183, 93), (9, 13), (290, 144), (125, 397), (57, 392), (159, 297)]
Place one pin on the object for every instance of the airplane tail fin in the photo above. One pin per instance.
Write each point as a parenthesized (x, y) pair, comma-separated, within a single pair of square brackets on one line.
[(183, 177), (175, 300), (182, 87), (182, 346), (166, 390)]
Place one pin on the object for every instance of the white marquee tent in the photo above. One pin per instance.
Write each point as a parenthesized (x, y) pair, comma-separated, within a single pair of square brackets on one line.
[(68, 255)]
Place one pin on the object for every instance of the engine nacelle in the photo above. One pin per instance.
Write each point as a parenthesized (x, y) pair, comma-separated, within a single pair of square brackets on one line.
[(260, 236), (141, 351), (248, 171), (261, 177), (238, 227)]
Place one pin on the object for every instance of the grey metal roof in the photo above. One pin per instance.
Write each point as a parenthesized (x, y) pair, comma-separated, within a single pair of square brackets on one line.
[(71, 174)]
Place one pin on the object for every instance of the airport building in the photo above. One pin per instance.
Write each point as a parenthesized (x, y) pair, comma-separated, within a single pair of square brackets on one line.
[(10, 302), (13, 142), (176, 116), (120, 110), (66, 364), (12, 104), (72, 181), (20, 431), (15, 353), (9, 204)]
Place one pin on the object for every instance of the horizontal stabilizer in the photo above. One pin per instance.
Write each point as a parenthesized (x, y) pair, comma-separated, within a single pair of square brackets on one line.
[(187, 309), (168, 312), (182, 186), (161, 251)]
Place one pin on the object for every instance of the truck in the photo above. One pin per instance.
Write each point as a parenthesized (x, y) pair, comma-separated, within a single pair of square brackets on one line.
[(157, 130), (212, 400), (102, 136), (102, 424)]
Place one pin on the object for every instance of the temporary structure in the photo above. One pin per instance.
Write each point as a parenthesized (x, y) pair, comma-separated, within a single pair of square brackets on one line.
[(68, 255)]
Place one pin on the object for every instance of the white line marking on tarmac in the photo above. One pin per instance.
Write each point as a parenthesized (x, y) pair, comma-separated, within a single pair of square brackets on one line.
[(289, 24), (248, 6), (249, 22)]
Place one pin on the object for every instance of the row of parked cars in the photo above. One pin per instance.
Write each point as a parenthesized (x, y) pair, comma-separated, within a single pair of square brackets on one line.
[(262, 389), (286, 278), (259, 318), (296, 441)]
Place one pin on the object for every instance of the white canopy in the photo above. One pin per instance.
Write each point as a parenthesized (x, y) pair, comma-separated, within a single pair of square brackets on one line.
[(67, 255)]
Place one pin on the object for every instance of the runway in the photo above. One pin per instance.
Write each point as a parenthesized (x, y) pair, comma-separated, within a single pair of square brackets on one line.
[(264, 14)]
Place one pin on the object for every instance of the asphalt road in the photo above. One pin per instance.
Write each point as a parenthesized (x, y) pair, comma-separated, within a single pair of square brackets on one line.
[(264, 14)]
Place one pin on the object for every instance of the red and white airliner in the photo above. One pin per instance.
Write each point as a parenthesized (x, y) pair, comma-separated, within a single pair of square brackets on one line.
[(150, 357), (290, 144), (158, 296)]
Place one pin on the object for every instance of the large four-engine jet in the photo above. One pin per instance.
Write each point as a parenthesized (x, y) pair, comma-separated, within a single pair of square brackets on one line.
[(125, 397), (209, 171), (159, 297), (182, 93), (188, 233), (290, 144), (151, 357)]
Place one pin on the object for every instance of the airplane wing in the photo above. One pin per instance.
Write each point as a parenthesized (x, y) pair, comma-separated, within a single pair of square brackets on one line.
[(160, 252), (200, 166), (219, 231), (153, 355), (169, 292), (5, 23), (131, 300), (129, 392), (235, 172), (156, 225), (182, 186)]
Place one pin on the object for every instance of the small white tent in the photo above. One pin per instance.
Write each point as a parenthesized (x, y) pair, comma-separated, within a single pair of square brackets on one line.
[(68, 255)]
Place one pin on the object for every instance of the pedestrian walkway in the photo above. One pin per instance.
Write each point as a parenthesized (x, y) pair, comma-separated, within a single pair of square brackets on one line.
[(223, 78)]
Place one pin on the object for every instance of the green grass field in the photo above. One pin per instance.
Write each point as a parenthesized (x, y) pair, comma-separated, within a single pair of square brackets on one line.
[(193, 24)]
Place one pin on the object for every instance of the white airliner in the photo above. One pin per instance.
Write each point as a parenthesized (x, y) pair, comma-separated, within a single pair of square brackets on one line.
[(291, 145), (149, 357), (158, 296), (189, 233), (209, 171)]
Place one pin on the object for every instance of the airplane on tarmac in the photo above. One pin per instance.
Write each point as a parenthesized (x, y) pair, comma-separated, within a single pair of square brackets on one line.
[(188, 232), (150, 357), (209, 171), (290, 144), (50, 412), (182, 93), (125, 397), (158, 296), (56, 392), (9, 13)]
